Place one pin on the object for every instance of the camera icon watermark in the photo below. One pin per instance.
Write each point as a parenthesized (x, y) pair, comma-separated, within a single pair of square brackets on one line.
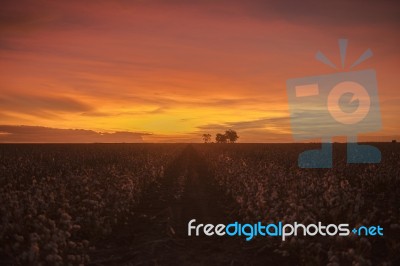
[(338, 104)]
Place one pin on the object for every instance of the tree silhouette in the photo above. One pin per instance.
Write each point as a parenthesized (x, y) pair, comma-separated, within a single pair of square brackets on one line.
[(220, 138), (231, 135), (206, 138)]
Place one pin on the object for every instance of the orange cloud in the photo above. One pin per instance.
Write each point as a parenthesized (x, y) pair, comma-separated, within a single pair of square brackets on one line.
[(172, 69)]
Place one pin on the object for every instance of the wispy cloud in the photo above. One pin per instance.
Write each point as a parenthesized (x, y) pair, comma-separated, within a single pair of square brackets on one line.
[(41, 104), (252, 124), (176, 67), (33, 134), (276, 129)]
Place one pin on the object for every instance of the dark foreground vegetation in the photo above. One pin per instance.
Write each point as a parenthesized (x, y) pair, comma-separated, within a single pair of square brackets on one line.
[(129, 204)]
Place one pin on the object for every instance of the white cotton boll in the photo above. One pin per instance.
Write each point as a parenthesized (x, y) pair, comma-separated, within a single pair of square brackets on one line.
[(76, 227), (71, 244), (85, 243)]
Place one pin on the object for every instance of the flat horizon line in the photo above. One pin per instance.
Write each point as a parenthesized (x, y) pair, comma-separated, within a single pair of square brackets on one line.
[(238, 143)]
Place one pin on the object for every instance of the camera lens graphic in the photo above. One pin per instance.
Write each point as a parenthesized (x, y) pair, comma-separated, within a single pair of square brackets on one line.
[(359, 94)]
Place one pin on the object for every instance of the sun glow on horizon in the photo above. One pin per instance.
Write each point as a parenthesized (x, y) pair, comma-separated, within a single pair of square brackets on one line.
[(176, 71)]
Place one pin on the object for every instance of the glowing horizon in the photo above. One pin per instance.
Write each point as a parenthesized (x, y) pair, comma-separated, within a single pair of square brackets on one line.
[(174, 71)]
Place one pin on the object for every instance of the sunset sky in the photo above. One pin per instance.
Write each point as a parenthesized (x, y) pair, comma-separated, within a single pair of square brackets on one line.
[(169, 71)]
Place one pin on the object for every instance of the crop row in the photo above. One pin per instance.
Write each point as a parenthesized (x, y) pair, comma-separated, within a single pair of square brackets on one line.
[(58, 200), (265, 184)]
